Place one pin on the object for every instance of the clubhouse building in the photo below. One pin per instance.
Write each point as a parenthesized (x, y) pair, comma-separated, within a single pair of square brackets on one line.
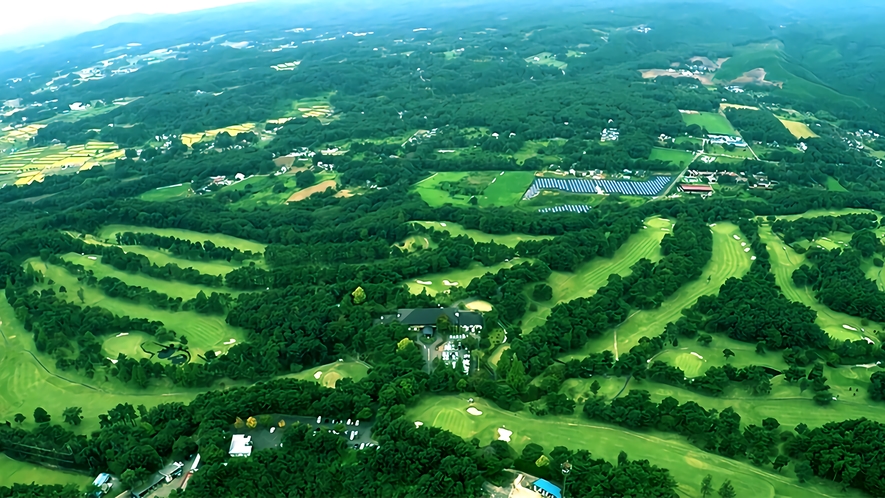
[(426, 319)]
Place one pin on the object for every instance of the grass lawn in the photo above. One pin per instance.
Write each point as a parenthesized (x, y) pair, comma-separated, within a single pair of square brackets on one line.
[(108, 234), (739, 152), (680, 157), (715, 123), (27, 384), (13, 471), (784, 262), (204, 332), (455, 229), (834, 185), (504, 188), (729, 260), (456, 276), (173, 288), (331, 373), (687, 463), (162, 258), (594, 274), (170, 193)]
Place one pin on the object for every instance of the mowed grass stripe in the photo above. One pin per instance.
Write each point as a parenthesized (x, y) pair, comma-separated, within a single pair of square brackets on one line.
[(784, 261), (594, 274), (108, 234), (204, 332), (728, 260), (687, 463)]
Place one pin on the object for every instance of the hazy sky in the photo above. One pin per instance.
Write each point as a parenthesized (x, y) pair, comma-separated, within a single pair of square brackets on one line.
[(29, 15)]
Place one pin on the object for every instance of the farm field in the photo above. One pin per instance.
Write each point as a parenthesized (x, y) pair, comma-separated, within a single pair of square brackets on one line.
[(594, 274), (546, 59), (715, 123), (679, 157), (687, 463), (834, 185), (189, 139), (170, 193), (456, 277), (309, 191), (204, 332), (510, 239), (799, 130), (329, 374), (108, 233), (498, 189), (784, 262), (728, 260), (33, 164)]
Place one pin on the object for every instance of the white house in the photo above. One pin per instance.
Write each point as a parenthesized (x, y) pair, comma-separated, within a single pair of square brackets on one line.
[(240, 445)]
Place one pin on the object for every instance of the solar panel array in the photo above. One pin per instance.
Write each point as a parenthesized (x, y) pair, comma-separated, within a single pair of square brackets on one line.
[(566, 208), (650, 188)]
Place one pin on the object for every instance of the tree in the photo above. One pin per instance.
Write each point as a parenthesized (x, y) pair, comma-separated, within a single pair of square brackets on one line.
[(707, 486), (359, 296), (594, 387), (238, 423), (760, 347), (251, 422), (41, 416), (780, 462), (516, 377), (803, 470), (364, 414), (542, 292), (727, 353), (19, 418), (705, 339), (727, 490), (72, 415)]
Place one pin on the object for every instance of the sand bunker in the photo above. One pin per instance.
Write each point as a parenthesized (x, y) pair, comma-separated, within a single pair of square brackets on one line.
[(474, 411), (479, 305), (122, 334), (849, 327), (424, 282), (418, 423), (446, 282), (746, 249), (743, 244), (228, 343), (752, 258), (695, 354), (317, 375), (736, 237), (504, 434)]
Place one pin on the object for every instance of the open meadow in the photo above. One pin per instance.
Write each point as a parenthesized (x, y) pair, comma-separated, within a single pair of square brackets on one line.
[(687, 463), (592, 275), (435, 283), (714, 122), (799, 130), (170, 193), (678, 157), (496, 189)]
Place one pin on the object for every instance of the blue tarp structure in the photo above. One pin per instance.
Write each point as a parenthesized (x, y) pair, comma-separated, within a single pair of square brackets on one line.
[(549, 487)]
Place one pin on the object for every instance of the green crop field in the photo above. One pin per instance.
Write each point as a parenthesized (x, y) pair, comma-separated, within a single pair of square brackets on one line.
[(784, 262), (108, 233), (510, 239), (456, 277), (499, 189), (729, 260), (204, 332), (170, 193), (680, 157), (715, 123), (592, 275), (687, 463)]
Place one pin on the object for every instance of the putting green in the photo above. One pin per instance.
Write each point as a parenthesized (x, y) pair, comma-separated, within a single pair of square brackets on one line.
[(784, 261), (331, 373), (592, 275), (129, 344), (728, 260), (687, 463), (456, 277), (455, 229), (204, 332)]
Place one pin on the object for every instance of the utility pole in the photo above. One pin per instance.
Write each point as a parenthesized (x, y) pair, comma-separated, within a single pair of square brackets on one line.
[(566, 468)]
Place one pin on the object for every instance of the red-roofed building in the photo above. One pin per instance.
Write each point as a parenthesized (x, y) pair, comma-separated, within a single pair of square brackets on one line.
[(695, 189)]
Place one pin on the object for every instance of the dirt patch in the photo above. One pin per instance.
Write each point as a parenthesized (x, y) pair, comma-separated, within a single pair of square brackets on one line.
[(344, 193), (737, 106), (756, 77), (305, 193), (709, 63), (284, 161), (705, 79)]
